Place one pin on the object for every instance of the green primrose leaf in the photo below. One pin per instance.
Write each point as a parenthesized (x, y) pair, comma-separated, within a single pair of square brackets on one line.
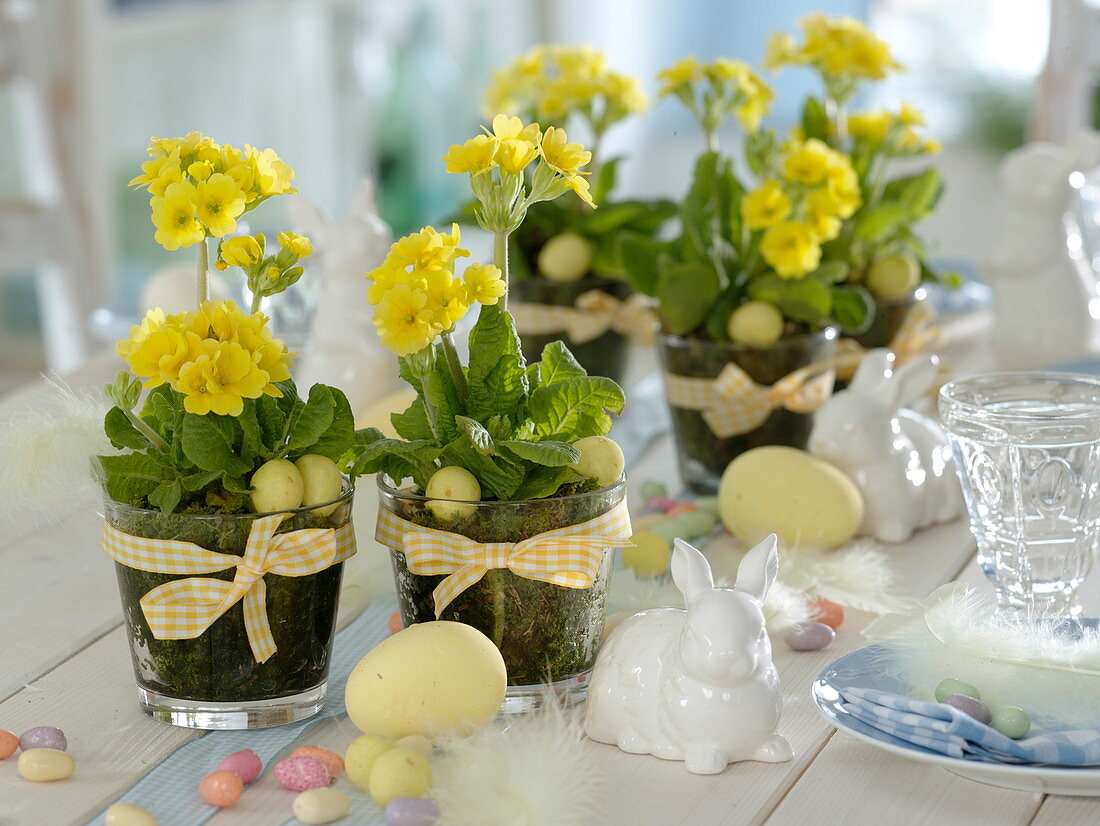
[(413, 424), (542, 481), (558, 364), (339, 436), (129, 477), (878, 222), (853, 308), (549, 453), (315, 418), (208, 443), (478, 435), (574, 408), (271, 420), (497, 475), (122, 433), (815, 123), (687, 293), (166, 496), (639, 256)]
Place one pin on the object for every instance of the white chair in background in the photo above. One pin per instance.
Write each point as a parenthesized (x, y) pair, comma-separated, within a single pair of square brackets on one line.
[(51, 70)]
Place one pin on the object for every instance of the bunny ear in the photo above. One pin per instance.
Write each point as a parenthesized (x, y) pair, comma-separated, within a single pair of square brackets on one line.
[(759, 568), (690, 571), (912, 379), (306, 217), (362, 202), (872, 371)]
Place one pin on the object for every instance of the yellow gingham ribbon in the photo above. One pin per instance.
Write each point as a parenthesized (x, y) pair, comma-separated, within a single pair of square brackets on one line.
[(570, 556), (733, 403), (916, 336), (184, 608), (594, 314)]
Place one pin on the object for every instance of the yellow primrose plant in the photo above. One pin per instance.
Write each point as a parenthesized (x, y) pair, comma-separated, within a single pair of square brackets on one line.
[(219, 402), (799, 232), (507, 429), (571, 87)]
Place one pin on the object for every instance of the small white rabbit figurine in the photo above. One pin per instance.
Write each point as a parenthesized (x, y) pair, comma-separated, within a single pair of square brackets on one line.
[(695, 685), (899, 459)]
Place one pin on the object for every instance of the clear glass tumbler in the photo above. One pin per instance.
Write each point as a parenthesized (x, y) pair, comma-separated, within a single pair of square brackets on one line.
[(1027, 450)]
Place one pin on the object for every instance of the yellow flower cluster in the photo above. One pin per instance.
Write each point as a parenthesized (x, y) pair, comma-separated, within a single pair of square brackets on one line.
[(416, 294), (511, 146), (216, 357), (551, 82), (819, 189), (842, 49), (712, 90), (200, 188), (892, 131)]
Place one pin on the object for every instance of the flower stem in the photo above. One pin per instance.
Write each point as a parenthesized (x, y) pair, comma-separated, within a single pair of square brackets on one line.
[(147, 431), (203, 275), (455, 365), (500, 258), (256, 299)]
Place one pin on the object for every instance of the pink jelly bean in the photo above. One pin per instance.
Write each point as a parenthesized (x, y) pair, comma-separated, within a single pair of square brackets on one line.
[(662, 503), (300, 774), (244, 763), (394, 623)]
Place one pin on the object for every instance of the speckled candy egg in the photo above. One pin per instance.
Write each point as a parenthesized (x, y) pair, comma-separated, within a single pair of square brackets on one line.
[(244, 763), (8, 744), (43, 737), (301, 773), (411, 811), (333, 762), (809, 636), (221, 788), (127, 814)]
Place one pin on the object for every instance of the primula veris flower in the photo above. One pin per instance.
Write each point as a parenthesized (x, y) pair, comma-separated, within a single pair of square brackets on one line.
[(842, 184), (219, 381), (384, 277), (219, 202), (271, 175), (580, 185), (791, 249), (158, 348), (681, 73), (298, 245), (427, 249), (766, 206), (563, 157), (808, 163), (173, 216), (513, 155), (403, 320), (823, 214), (512, 128), (910, 115), (870, 126), (476, 156), (447, 301), (780, 50), (484, 284), (241, 251)]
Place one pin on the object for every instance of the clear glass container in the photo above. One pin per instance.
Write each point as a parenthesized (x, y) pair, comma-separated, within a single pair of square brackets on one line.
[(213, 680), (1027, 451), (702, 455), (548, 634)]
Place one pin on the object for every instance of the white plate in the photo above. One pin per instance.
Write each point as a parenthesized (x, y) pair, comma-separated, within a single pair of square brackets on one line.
[(858, 669)]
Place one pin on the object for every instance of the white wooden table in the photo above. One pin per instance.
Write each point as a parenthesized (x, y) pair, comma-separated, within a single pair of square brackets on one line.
[(64, 661)]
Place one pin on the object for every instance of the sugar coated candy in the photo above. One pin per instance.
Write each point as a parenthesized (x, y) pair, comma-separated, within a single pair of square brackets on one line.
[(333, 762), (221, 788), (302, 773), (43, 737)]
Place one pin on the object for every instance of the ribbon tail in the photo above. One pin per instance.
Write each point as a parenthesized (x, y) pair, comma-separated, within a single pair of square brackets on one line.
[(455, 584), (255, 622)]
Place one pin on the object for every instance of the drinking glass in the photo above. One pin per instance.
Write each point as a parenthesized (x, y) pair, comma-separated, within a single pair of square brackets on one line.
[(1027, 450)]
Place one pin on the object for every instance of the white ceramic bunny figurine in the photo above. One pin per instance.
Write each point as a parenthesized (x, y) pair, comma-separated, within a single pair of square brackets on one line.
[(899, 459), (695, 685)]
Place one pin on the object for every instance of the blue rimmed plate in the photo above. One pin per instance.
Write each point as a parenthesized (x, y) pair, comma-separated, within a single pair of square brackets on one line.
[(863, 669)]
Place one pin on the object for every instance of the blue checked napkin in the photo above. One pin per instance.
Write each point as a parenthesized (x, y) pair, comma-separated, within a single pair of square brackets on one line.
[(946, 730)]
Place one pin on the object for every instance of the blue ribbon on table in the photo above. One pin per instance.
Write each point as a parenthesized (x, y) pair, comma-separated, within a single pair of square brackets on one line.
[(944, 729)]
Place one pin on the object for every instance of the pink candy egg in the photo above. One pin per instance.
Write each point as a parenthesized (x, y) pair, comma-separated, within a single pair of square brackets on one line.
[(394, 623), (221, 788), (302, 773), (8, 744), (662, 503), (333, 762), (244, 763), (681, 507)]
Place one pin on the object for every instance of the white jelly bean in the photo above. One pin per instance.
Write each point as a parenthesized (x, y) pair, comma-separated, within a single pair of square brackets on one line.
[(44, 765), (324, 805), (809, 636), (127, 814)]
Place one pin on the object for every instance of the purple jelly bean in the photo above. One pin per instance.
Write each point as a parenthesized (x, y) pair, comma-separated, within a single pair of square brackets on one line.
[(43, 737), (968, 705), (809, 636), (411, 811)]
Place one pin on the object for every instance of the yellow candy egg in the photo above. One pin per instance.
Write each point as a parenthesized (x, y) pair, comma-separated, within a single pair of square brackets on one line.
[(321, 481), (127, 814), (417, 743), (803, 499), (276, 487), (44, 765), (453, 490), (399, 773), (565, 257), (648, 556), (601, 459), (430, 678), (360, 756)]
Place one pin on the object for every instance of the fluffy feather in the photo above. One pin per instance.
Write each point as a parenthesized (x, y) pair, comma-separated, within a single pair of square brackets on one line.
[(1047, 665), (535, 771), (48, 451)]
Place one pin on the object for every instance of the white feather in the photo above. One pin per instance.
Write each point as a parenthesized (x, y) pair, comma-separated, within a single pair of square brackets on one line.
[(535, 771)]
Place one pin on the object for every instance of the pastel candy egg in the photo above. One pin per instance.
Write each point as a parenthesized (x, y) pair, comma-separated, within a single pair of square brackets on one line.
[(826, 611), (653, 489), (694, 523), (333, 762), (681, 507), (661, 503), (221, 788), (809, 636), (974, 708), (411, 811), (1011, 721), (325, 805), (360, 756), (8, 744), (707, 503), (649, 554), (45, 765), (127, 814), (395, 623), (43, 737), (321, 482), (648, 520), (417, 743), (601, 459), (399, 773), (244, 763), (301, 773), (952, 686)]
